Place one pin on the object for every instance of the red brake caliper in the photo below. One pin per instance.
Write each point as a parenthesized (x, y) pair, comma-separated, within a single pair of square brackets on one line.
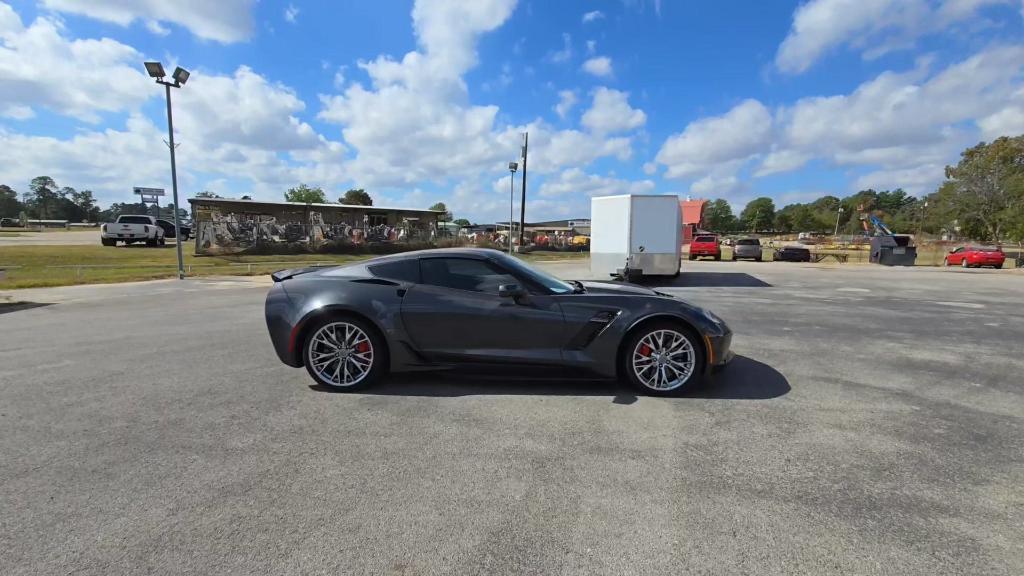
[(645, 350), (363, 347)]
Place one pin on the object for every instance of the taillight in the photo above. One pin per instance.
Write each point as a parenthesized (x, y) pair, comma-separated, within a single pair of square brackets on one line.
[(104, 228), (145, 228)]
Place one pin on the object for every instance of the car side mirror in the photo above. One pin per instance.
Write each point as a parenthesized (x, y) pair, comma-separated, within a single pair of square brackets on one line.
[(511, 291)]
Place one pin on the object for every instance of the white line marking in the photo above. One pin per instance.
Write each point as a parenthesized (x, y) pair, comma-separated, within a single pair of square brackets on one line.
[(960, 304)]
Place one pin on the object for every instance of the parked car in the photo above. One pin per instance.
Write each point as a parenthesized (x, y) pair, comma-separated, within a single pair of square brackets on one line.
[(747, 248), (168, 228), (975, 257), (131, 228), (705, 245), (792, 254), (438, 309)]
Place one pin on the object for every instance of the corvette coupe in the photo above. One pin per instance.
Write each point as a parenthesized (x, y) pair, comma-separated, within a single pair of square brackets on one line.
[(440, 309)]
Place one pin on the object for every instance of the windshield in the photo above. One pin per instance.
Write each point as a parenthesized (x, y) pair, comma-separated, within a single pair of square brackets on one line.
[(543, 278)]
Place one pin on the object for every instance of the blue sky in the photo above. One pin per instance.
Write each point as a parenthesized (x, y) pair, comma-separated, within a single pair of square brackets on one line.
[(425, 101)]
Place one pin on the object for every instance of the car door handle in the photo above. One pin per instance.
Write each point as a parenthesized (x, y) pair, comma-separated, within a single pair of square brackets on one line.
[(401, 292)]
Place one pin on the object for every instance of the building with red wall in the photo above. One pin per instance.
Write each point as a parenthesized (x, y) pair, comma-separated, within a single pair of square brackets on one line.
[(693, 217)]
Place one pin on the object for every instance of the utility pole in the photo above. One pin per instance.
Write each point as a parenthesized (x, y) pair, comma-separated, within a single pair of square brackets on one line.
[(838, 215), (512, 167), (522, 202)]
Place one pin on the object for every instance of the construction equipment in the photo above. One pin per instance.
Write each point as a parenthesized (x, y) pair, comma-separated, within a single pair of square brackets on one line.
[(887, 248)]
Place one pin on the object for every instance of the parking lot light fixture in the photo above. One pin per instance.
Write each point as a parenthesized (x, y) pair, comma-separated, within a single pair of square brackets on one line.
[(180, 76), (512, 167), (155, 70)]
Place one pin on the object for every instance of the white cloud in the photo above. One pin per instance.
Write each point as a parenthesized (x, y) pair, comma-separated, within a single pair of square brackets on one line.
[(291, 13), (718, 142), (591, 47), (565, 54), (611, 112), (575, 182), (156, 28), (871, 26), (600, 66), (566, 101), (223, 20), (40, 67), (339, 77), (592, 16)]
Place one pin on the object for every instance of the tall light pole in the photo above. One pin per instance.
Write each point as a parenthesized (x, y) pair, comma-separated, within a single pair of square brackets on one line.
[(512, 167), (840, 213), (180, 76), (522, 201)]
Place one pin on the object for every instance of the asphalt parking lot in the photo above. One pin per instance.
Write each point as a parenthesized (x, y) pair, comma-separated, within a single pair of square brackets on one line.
[(873, 423)]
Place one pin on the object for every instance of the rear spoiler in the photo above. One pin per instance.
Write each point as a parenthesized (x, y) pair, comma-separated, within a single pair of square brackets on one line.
[(282, 275)]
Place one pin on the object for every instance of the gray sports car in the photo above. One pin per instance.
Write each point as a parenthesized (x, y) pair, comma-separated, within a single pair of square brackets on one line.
[(438, 309)]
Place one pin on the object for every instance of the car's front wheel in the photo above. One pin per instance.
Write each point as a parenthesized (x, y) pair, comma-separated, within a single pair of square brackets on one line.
[(344, 353), (964, 264), (662, 358)]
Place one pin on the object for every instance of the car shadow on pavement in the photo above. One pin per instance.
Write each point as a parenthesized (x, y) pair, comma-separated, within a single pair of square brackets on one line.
[(6, 307), (743, 379), (705, 280)]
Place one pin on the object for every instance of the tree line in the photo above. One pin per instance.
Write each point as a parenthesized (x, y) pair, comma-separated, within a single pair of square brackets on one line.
[(982, 198)]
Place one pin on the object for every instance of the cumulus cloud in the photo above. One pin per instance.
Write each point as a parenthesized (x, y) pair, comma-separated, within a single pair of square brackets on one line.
[(592, 16), (36, 63), (600, 66), (871, 26), (291, 13), (224, 20), (611, 112), (903, 127), (566, 101), (574, 182), (565, 54), (717, 142)]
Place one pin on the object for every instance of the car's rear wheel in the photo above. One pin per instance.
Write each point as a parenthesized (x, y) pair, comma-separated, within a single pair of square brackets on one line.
[(662, 359), (344, 354), (964, 264), (998, 266)]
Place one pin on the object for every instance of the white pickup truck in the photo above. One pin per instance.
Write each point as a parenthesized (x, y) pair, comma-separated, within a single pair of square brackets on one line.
[(131, 228)]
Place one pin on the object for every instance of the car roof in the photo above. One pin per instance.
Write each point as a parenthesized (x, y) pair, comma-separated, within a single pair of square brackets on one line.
[(454, 252)]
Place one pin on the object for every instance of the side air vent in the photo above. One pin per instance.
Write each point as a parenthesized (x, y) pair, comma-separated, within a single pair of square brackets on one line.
[(593, 328), (378, 281)]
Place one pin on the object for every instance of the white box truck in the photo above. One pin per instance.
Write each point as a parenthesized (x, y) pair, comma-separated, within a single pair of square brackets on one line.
[(634, 235)]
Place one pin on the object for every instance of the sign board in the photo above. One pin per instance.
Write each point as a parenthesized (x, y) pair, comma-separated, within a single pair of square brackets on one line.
[(149, 191), (150, 199)]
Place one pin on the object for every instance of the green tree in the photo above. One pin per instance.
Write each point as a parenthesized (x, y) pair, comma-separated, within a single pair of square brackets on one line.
[(246, 197), (759, 214), (986, 187), (440, 207), (305, 194), (783, 221), (207, 194), (356, 197), (43, 196), (718, 216), (461, 222), (10, 206)]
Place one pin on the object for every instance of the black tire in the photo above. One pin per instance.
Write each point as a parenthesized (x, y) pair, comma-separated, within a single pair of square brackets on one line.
[(998, 266), (964, 264), (151, 242), (628, 372), (718, 257), (108, 242), (379, 362), (692, 257), (733, 257), (162, 242), (633, 276), (758, 259)]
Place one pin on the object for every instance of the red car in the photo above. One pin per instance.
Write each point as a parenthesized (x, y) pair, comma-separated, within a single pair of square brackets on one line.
[(705, 245), (975, 257)]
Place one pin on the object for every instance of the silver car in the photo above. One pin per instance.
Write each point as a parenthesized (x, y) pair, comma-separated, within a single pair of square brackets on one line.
[(747, 248)]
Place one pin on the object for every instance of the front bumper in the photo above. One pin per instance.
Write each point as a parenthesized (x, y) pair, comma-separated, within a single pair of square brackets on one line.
[(719, 351)]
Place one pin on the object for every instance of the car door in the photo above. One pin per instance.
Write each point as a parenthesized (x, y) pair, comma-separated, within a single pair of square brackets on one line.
[(956, 256), (455, 313)]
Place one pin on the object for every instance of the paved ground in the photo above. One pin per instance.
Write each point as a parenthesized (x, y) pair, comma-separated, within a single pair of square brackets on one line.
[(873, 424), (65, 238)]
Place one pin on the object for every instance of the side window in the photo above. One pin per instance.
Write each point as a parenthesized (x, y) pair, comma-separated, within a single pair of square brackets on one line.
[(958, 250), (464, 274), (406, 270)]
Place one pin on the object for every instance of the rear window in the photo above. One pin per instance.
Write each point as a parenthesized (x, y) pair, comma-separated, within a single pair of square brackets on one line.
[(134, 220), (405, 270), (748, 242), (705, 239)]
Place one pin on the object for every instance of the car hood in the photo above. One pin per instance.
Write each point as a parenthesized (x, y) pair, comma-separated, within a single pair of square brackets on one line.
[(617, 288)]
